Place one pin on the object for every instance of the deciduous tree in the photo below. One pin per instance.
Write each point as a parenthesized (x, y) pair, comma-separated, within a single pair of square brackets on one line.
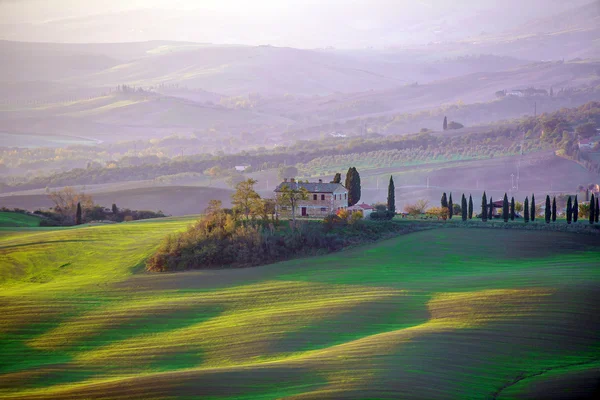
[(245, 200)]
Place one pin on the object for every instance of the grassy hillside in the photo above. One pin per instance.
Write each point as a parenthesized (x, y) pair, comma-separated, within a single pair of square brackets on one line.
[(449, 313), (10, 219)]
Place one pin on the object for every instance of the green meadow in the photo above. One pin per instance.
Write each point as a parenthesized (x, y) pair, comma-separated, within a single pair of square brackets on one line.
[(461, 313)]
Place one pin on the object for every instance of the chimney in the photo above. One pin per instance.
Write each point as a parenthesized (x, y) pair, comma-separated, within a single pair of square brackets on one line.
[(285, 179), (320, 180), (292, 180)]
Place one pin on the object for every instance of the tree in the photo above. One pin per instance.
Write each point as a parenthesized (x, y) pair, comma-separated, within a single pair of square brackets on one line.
[(245, 200), (512, 208), (526, 210), (438, 212), (450, 207), (592, 209), (470, 207), (115, 210), (290, 197), (597, 209), (65, 201), (548, 210), (337, 178), (569, 210), (491, 209), (586, 130), (575, 210), (353, 186), (287, 172), (518, 206), (484, 213), (554, 209), (445, 126), (505, 209), (78, 219), (418, 208), (463, 207), (532, 213), (391, 200), (455, 125), (444, 200)]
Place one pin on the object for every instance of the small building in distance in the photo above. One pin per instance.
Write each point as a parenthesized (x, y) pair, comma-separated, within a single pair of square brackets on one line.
[(241, 168), (364, 208), (589, 144), (323, 198)]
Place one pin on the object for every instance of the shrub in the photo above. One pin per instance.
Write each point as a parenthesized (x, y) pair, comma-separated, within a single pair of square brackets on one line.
[(382, 215)]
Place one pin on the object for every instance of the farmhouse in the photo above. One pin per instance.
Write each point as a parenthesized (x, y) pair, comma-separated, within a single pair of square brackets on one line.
[(364, 208), (588, 144), (323, 198)]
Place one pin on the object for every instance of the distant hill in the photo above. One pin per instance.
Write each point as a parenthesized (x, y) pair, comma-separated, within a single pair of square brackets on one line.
[(173, 200)]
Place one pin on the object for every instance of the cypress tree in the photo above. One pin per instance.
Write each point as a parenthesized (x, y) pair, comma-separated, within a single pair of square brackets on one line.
[(554, 209), (532, 213), (569, 210), (597, 209), (505, 208), (337, 178), (391, 200), (445, 123), (548, 210), (463, 207), (450, 207), (592, 207), (484, 207), (491, 209), (526, 210), (115, 210), (575, 210), (78, 215), (470, 207), (512, 208), (444, 201), (353, 186)]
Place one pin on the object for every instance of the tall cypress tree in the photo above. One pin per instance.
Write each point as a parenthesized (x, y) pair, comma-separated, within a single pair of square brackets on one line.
[(78, 220), (445, 126), (470, 207), (554, 209), (444, 201), (569, 210), (532, 213), (575, 210), (353, 186), (391, 200), (505, 208), (592, 209), (450, 207), (548, 210), (597, 204), (337, 178), (512, 208), (463, 207), (484, 207), (115, 209), (526, 210), (491, 209)]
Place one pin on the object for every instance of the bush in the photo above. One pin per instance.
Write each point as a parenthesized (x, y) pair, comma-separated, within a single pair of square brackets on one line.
[(382, 215)]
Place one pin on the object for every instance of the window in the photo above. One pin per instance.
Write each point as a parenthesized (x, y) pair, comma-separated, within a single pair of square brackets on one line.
[(345, 196), (314, 197), (323, 209), (322, 197)]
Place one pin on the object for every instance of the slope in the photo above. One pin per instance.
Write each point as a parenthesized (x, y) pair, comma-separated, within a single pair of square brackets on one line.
[(464, 320)]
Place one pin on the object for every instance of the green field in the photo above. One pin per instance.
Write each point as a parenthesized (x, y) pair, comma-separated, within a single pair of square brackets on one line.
[(11, 219), (439, 314)]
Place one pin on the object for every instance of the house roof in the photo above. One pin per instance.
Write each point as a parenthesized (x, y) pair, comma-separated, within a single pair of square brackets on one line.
[(362, 206), (313, 187)]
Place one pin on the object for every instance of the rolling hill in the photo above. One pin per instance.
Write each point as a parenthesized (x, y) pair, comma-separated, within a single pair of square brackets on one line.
[(467, 320)]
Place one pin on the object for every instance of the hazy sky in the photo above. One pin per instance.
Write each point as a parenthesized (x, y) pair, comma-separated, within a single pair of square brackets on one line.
[(297, 23)]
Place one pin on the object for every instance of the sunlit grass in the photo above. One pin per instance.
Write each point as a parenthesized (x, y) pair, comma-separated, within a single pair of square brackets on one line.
[(448, 313)]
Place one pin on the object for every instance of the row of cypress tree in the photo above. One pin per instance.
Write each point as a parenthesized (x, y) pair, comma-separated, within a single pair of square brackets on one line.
[(466, 209)]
